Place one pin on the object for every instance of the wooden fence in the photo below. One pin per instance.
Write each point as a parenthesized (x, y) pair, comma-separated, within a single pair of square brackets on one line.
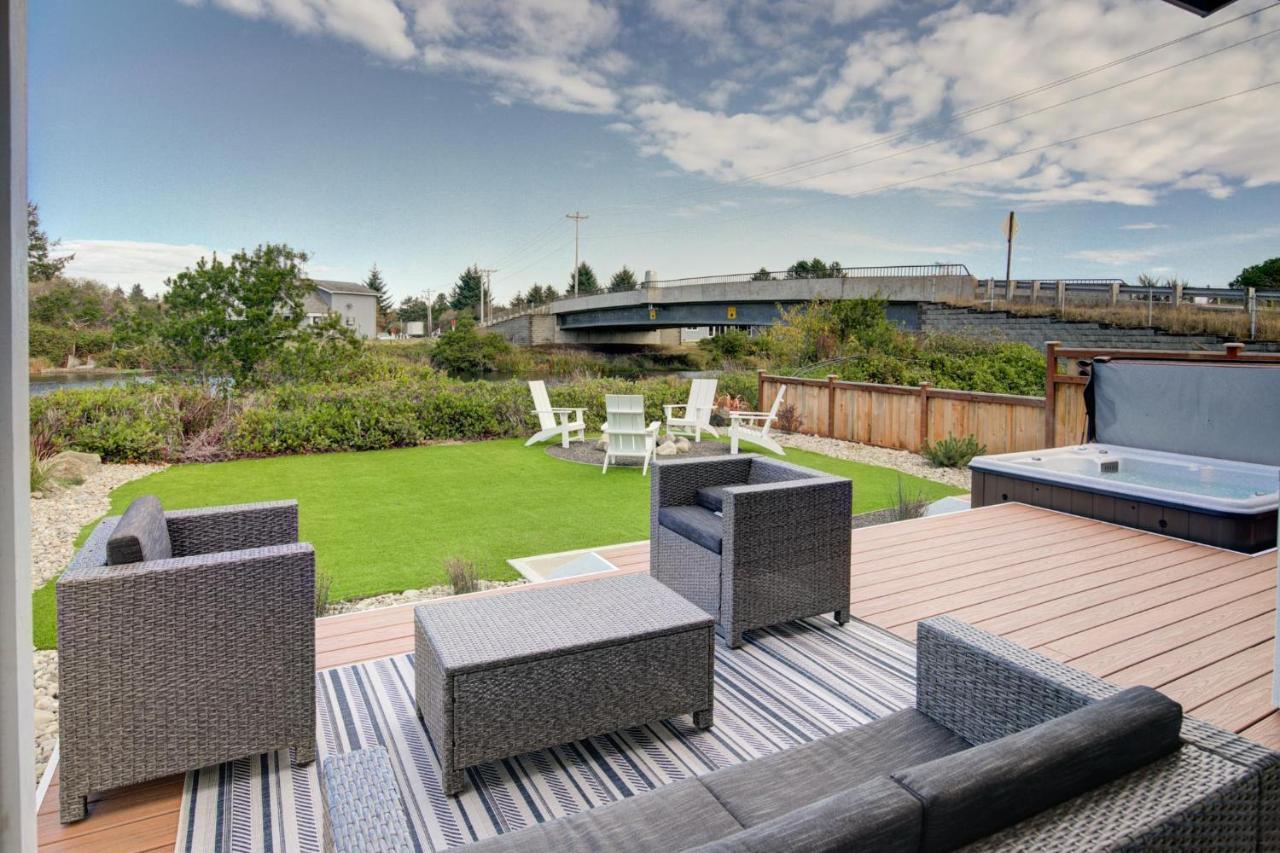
[(905, 418)]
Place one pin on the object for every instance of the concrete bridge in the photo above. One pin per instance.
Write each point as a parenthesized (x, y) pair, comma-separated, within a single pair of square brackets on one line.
[(655, 313)]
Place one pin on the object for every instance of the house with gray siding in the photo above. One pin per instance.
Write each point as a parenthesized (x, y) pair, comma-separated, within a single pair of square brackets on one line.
[(356, 304)]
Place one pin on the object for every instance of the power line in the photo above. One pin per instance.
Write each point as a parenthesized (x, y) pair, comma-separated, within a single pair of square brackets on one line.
[(1007, 155), (936, 123), (1027, 114)]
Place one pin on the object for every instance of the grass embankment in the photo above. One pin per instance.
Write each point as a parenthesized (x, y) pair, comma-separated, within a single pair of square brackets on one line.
[(1225, 321), (385, 521)]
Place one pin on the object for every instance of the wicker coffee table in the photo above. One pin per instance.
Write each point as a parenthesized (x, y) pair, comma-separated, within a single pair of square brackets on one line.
[(505, 674)]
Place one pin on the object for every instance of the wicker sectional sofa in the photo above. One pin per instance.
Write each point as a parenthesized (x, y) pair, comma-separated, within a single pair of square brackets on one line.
[(1004, 750), (752, 541)]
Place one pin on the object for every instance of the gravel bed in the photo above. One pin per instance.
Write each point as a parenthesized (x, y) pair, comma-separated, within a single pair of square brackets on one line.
[(587, 453), (409, 596), (900, 460), (56, 520)]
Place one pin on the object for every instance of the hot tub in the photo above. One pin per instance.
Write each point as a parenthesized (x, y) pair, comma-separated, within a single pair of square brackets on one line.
[(1215, 501)]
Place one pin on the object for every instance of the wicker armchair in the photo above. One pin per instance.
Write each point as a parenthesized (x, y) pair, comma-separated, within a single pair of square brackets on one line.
[(175, 664), (778, 550)]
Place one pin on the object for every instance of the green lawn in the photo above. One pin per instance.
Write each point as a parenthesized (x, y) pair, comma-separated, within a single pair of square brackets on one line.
[(385, 521)]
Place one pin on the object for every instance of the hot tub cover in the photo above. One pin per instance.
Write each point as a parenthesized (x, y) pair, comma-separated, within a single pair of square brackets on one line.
[(1223, 411)]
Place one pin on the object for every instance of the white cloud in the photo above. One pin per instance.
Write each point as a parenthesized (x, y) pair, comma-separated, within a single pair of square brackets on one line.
[(1142, 226), (810, 78), (128, 262), (893, 79), (377, 25)]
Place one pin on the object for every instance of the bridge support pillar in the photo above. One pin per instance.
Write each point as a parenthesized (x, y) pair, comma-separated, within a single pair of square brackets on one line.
[(1035, 292), (1010, 287), (1177, 294), (1115, 293), (1062, 295), (991, 290)]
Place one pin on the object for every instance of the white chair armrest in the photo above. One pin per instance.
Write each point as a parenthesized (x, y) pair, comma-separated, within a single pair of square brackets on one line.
[(669, 406)]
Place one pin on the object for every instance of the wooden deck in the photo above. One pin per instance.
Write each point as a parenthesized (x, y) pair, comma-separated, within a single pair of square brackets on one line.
[(1132, 607)]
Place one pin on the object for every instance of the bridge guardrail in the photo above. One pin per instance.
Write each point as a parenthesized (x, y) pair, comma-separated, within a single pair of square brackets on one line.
[(914, 271)]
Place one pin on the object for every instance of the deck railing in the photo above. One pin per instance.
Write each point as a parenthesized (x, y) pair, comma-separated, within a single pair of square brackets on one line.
[(905, 417)]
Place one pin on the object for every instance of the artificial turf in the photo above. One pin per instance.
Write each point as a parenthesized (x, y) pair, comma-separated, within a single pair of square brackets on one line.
[(385, 521)]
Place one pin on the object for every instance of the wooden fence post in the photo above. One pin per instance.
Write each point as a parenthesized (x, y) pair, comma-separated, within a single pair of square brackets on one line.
[(1010, 290), (1035, 292), (1050, 385), (831, 405), (759, 390), (1115, 293), (924, 413), (1062, 295)]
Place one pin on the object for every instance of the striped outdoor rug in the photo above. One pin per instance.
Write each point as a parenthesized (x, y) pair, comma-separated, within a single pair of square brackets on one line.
[(786, 686)]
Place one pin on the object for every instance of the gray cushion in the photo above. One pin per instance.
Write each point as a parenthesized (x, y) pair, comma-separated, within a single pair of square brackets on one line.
[(984, 789), (673, 817), (695, 523), (763, 789), (879, 816), (141, 535), (712, 497)]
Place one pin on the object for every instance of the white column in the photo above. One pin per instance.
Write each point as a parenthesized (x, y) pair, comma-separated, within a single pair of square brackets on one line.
[(17, 753)]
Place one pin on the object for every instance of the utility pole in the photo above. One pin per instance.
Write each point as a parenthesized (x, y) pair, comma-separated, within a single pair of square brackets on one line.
[(1010, 228), (484, 292), (430, 310), (577, 218)]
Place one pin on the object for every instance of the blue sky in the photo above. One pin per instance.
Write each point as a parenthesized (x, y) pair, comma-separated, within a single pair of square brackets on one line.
[(425, 135)]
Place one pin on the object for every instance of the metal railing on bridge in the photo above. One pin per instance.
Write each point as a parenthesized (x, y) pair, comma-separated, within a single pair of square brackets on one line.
[(912, 271)]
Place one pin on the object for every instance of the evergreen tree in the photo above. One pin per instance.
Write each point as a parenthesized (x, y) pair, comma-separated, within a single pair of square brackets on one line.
[(439, 305), (762, 274), (587, 283), (466, 293), (815, 269), (40, 265), (624, 279), (375, 282), (413, 308), (137, 295)]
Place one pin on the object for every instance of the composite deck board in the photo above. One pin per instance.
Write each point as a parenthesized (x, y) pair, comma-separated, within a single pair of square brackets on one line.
[(1195, 621)]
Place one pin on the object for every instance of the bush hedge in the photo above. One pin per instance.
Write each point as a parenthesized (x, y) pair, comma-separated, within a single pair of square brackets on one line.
[(173, 422)]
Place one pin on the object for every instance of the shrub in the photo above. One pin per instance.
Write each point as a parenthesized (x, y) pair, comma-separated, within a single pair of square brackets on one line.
[(324, 581), (952, 452), (462, 575), (911, 504), (465, 352), (789, 419), (39, 474)]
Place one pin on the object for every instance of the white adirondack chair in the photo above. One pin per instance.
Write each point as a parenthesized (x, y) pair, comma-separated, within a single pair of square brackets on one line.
[(754, 426), (566, 423), (697, 412), (625, 431)]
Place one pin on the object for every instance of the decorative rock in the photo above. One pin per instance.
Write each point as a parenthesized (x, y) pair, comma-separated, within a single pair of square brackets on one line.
[(682, 445), (602, 444), (668, 449), (666, 439), (73, 466)]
